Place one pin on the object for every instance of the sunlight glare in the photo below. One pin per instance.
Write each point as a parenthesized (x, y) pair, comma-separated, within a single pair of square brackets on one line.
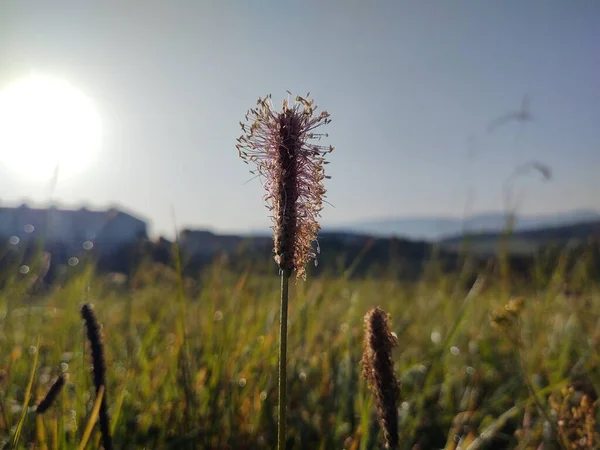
[(47, 123)]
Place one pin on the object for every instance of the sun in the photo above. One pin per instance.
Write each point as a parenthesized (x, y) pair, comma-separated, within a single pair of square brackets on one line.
[(47, 126)]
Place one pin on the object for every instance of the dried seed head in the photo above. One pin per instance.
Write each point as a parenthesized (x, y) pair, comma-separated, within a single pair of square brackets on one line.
[(285, 150), (378, 371), (95, 339), (52, 394)]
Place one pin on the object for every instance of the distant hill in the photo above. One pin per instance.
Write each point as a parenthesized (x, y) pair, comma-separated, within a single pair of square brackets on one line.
[(525, 242), (378, 252), (364, 255), (438, 228), (339, 253)]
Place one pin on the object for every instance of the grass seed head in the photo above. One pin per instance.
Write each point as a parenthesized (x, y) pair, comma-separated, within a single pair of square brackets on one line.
[(52, 394), (378, 371), (95, 338), (285, 149)]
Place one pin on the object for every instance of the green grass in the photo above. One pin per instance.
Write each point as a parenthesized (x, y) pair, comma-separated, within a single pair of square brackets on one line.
[(211, 382)]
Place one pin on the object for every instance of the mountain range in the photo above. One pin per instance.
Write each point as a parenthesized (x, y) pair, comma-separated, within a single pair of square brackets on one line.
[(438, 228)]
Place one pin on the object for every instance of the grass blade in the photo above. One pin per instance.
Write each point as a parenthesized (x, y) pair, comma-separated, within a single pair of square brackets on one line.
[(92, 420), (17, 435)]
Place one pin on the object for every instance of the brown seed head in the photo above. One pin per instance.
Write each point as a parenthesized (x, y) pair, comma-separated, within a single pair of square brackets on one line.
[(99, 369), (378, 371), (52, 394)]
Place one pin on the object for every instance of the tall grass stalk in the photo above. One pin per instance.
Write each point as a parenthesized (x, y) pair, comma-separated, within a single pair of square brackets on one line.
[(15, 440), (283, 322), (280, 144), (99, 370)]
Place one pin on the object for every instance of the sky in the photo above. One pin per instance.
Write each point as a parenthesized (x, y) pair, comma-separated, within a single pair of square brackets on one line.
[(411, 87)]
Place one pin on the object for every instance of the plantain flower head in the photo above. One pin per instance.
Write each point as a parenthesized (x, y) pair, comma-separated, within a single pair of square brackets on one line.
[(378, 371), (290, 161)]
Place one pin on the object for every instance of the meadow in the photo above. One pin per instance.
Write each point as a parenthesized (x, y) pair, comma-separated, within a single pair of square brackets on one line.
[(193, 365)]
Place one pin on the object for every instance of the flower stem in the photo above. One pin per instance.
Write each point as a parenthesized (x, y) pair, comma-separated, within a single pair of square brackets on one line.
[(285, 276)]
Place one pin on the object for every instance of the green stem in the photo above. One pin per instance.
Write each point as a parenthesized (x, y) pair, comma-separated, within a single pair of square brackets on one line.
[(285, 276)]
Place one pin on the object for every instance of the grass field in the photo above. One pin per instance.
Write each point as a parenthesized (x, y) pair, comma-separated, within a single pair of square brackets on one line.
[(196, 366)]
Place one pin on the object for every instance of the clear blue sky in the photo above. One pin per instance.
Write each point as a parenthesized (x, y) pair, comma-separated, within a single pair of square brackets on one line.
[(408, 86)]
